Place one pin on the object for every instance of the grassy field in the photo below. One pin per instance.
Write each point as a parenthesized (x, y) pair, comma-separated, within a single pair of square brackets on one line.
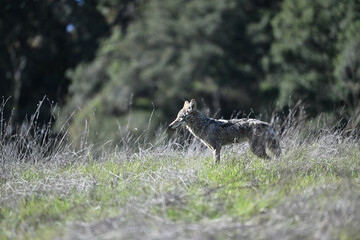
[(165, 191)]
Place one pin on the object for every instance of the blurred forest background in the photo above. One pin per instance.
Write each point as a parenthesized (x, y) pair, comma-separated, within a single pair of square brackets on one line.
[(118, 63)]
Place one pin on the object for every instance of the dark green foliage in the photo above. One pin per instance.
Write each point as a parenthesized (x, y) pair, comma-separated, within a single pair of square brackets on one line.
[(347, 70), (116, 58), (177, 50), (37, 47), (309, 36)]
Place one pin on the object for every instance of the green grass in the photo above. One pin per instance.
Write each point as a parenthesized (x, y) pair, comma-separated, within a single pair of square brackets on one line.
[(313, 190)]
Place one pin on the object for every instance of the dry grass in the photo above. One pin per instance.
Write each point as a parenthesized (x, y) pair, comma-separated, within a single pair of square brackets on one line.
[(163, 190)]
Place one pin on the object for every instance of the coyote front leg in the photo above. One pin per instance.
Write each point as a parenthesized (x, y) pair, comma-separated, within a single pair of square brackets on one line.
[(215, 150), (216, 154)]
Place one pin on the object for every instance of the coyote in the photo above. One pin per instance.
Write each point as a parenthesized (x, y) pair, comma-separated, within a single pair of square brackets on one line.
[(215, 133)]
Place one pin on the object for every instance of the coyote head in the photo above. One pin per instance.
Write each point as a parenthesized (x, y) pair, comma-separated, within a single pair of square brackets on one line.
[(184, 114)]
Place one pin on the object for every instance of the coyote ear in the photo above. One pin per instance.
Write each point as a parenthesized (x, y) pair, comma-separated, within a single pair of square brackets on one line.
[(186, 103), (192, 105)]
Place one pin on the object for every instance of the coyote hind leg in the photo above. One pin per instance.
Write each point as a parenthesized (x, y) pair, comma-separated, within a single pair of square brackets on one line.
[(258, 148), (274, 147)]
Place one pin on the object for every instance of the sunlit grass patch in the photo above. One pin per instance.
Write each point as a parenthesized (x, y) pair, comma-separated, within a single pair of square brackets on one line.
[(156, 191)]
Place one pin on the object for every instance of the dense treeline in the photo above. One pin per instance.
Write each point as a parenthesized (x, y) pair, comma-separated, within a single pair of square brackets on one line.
[(120, 60)]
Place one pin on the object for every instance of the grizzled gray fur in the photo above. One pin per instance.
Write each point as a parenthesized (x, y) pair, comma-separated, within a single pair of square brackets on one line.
[(216, 133)]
